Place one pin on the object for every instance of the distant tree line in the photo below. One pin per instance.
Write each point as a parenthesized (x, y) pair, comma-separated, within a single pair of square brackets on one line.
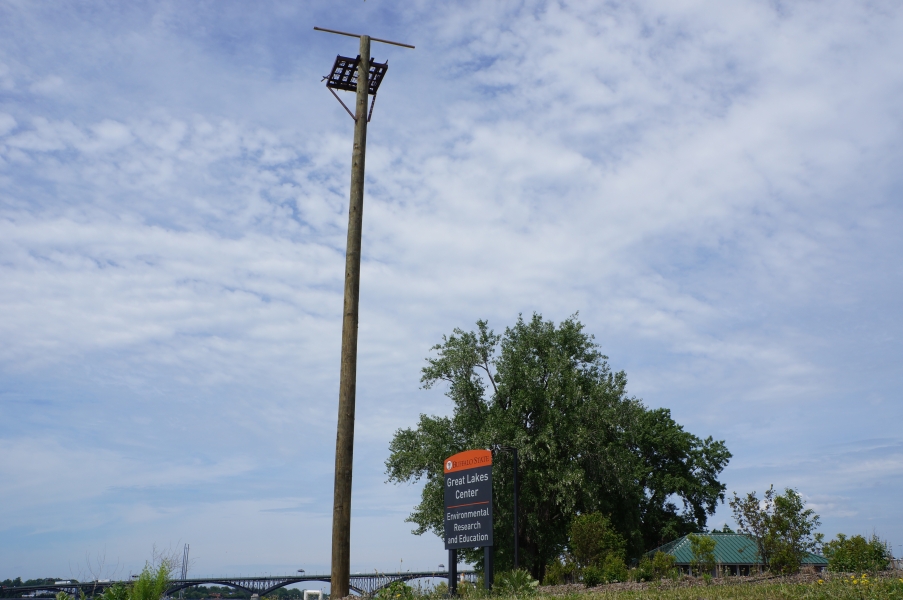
[(201, 592)]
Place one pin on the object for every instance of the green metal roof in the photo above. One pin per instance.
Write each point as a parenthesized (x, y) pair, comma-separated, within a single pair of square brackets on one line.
[(730, 549)]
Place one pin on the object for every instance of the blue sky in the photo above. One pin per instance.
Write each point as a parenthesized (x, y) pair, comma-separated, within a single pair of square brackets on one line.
[(715, 187)]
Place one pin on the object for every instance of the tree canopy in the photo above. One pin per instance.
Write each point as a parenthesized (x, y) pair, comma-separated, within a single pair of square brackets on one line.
[(584, 445), (784, 529)]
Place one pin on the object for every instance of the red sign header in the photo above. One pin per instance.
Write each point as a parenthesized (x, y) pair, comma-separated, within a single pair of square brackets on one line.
[(469, 459)]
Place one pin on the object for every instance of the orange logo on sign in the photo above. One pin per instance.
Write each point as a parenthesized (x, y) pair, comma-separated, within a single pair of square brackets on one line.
[(469, 459)]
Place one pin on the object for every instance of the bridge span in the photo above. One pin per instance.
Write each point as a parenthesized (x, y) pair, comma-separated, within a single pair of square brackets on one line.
[(365, 584)]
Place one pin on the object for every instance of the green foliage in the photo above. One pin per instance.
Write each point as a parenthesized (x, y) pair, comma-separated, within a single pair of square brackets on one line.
[(229, 593), (857, 554), (116, 592), (476, 590), (660, 566), (643, 571), (397, 590), (784, 530), (610, 570), (152, 582), (561, 570), (515, 582), (593, 576), (664, 565), (592, 538), (584, 445), (703, 549), (614, 569)]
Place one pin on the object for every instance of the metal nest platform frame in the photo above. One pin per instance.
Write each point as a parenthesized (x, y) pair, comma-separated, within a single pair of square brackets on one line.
[(344, 77)]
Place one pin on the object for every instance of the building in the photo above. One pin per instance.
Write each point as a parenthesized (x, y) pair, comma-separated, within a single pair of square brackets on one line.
[(735, 554)]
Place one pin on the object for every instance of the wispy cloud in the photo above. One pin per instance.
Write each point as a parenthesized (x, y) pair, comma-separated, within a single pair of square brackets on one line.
[(714, 187)]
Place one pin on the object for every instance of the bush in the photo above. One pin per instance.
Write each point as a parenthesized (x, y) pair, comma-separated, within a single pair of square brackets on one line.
[(614, 569), (781, 525), (397, 590), (116, 592), (663, 565), (152, 582), (703, 548), (516, 581), (561, 571), (593, 576), (643, 571), (857, 554), (593, 538)]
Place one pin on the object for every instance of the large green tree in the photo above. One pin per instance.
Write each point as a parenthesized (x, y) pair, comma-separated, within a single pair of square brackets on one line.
[(584, 445)]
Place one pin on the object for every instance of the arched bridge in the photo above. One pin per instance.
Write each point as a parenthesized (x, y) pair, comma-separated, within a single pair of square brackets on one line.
[(365, 584)]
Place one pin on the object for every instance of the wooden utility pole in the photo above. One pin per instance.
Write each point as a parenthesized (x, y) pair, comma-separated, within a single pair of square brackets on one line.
[(344, 446)]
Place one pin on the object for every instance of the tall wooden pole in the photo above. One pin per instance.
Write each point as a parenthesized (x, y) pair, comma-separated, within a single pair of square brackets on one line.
[(344, 445)]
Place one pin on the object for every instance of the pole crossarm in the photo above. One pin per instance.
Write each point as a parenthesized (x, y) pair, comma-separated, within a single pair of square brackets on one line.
[(358, 35), (365, 584)]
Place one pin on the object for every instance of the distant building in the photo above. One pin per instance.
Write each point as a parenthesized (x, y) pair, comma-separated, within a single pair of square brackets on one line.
[(735, 554)]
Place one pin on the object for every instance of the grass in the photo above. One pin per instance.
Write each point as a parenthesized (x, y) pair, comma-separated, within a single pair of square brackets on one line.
[(829, 588), (887, 586)]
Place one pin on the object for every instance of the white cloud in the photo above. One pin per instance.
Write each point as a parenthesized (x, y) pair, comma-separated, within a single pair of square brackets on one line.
[(712, 186), (7, 123), (48, 85)]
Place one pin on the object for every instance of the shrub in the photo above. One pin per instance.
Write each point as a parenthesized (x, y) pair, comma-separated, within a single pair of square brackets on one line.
[(592, 538), (152, 582), (781, 525), (703, 548), (857, 554), (643, 571), (116, 592), (516, 581), (614, 569), (593, 576), (397, 590), (663, 565), (561, 571)]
